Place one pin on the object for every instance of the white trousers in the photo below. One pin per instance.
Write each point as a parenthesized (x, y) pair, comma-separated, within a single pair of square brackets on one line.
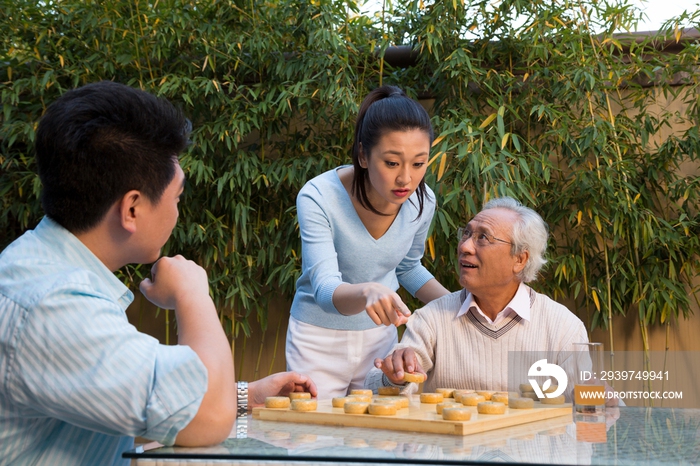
[(336, 360)]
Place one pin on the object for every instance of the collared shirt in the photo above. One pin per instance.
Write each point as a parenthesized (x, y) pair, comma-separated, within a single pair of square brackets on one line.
[(520, 305), (77, 381)]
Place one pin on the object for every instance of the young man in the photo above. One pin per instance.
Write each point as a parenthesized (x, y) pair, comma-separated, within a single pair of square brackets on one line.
[(77, 381)]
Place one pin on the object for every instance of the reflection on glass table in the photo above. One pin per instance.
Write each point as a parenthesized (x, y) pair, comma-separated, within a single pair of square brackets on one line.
[(631, 436)]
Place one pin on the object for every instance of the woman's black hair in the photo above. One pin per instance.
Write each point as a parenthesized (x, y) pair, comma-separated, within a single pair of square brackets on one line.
[(384, 110)]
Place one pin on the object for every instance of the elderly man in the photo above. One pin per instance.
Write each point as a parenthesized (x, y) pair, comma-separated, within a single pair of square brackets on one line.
[(462, 340)]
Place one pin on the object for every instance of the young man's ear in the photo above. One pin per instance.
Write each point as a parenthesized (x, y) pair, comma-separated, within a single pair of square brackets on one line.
[(129, 206)]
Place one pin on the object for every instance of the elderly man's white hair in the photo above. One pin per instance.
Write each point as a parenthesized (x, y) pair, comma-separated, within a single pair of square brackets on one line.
[(529, 233)]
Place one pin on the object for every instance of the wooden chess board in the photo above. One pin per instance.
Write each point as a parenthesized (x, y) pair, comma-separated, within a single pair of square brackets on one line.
[(418, 417)]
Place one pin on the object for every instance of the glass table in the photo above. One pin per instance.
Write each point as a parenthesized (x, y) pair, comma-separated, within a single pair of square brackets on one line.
[(631, 436)]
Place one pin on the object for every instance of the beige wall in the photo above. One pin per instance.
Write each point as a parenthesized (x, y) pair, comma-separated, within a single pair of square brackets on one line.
[(684, 335), (263, 352), (256, 356)]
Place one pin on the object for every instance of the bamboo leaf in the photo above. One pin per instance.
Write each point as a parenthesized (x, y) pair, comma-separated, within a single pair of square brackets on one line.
[(504, 140), (516, 141), (443, 163), (488, 120), (430, 162), (594, 295)]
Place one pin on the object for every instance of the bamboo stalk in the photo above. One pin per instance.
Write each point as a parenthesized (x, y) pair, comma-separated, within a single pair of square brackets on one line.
[(667, 347), (143, 34), (609, 304), (381, 57), (257, 362), (233, 332), (274, 353), (585, 289), (647, 361), (645, 335)]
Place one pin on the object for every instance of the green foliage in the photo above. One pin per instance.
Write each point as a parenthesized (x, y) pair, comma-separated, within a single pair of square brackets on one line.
[(534, 101), (272, 91), (542, 101)]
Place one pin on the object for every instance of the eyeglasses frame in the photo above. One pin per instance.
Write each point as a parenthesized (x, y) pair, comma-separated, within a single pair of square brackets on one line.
[(489, 237)]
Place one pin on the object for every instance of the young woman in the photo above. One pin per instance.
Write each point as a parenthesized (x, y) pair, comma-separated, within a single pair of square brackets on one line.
[(363, 231)]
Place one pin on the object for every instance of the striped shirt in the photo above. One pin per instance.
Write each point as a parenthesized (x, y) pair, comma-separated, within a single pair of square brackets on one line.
[(77, 381)]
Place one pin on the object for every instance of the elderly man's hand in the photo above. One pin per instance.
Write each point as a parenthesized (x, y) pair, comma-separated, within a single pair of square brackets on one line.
[(398, 362)]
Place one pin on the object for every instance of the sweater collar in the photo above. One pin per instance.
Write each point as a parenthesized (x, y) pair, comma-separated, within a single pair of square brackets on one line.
[(520, 305)]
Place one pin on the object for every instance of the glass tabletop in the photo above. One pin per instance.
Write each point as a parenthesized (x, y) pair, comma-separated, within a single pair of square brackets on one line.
[(631, 435)]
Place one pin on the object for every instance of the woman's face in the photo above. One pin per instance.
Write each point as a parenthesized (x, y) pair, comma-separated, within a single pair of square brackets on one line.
[(396, 165)]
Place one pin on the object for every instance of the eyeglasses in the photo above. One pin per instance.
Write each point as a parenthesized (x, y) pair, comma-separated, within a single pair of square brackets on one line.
[(481, 239)]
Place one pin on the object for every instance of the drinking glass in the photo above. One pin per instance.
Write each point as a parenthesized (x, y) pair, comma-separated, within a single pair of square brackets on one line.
[(589, 393)]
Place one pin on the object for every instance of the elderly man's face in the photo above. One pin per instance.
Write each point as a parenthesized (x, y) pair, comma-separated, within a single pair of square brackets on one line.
[(490, 269)]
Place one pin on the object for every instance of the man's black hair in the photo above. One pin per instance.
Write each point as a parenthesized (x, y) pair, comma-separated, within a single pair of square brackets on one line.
[(97, 142)]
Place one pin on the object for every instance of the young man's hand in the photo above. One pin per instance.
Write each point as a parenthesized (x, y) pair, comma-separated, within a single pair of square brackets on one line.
[(174, 279), (279, 384)]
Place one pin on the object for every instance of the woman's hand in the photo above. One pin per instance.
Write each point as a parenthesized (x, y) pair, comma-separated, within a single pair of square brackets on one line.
[(385, 306)]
